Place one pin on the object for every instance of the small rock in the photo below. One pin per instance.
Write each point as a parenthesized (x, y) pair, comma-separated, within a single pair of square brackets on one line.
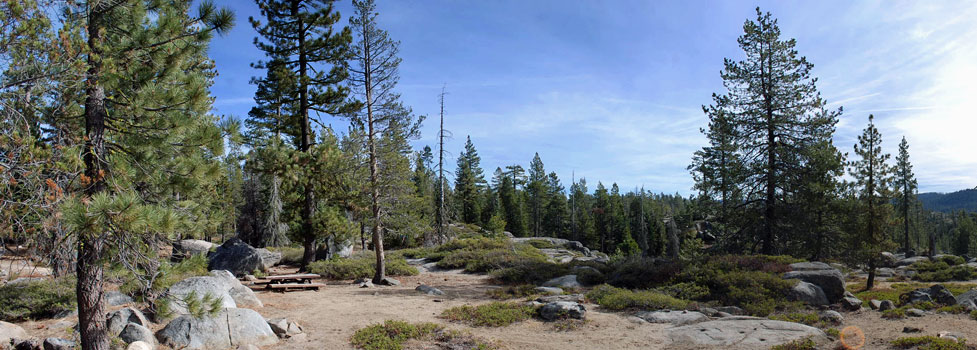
[(851, 303), (915, 312), (951, 335), (676, 318), (549, 290), (708, 311), (720, 314), (969, 305), (279, 326), (636, 320), (58, 344), (250, 278), (562, 309), (832, 316), (367, 284), (908, 329), (565, 282), (428, 290), (874, 304), (732, 310), (247, 347), (117, 320), (437, 300), (389, 281), (294, 329), (134, 332), (26, 344), (563, 297)]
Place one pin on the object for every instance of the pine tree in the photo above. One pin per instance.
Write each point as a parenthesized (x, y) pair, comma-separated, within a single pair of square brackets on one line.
[(555, 214), (146, 117), (718, 171), (773, 106), (468, 182), (537, 194), (511, 205), (305, 71), (905, 184), (872, 177)]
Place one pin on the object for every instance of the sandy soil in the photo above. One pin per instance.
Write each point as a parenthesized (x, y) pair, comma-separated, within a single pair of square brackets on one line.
[(331, 316)]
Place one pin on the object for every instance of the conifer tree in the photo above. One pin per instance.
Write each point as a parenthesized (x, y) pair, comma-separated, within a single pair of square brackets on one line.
[(306, 68), (387, 122), (555, 214), (905, 184), (146, 126), (537, 194), (773, 107), (872, 178), (469, 179)]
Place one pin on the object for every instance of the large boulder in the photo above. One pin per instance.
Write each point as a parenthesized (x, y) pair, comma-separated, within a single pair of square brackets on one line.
[(116, 298), (10, 331), (242, 295), (239, 258), (810, 266), (230, 327), (58, 344), (936, 293), (565, 282), (677, 318), (808, 293), (269, 258), (830, 280), (199, 286), (887, 259), (116, 321), (741, 333), (562, 309), (185, 248)]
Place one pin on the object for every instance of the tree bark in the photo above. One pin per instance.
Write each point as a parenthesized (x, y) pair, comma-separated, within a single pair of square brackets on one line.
[(91, 307), (308, 206)]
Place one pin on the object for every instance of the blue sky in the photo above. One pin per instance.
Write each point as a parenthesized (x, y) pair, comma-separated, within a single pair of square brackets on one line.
[(612, 90)]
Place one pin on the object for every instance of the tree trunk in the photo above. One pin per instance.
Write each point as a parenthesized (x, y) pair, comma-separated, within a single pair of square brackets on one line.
[(374, 166), (91, 307), (308, 206), (905, 215), (870, 282)]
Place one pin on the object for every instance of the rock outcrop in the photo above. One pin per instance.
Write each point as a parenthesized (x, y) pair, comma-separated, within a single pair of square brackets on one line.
[(186, 248), (808, 293), (229, 327), (677, 318), (829, 279), (240, 258), (562, 309), (741, 333), (10, 331)]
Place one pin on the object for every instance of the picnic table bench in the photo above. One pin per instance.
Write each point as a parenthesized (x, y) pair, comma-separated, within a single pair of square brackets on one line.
[(284, 283)]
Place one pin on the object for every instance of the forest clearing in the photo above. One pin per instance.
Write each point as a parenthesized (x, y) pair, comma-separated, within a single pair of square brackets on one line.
[(145, 204)]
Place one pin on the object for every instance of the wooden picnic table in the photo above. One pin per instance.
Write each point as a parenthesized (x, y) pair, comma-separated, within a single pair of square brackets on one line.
[(293, 278)]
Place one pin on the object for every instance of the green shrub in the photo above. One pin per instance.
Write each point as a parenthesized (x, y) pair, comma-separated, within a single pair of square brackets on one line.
[(542, 244), (613, 298), (800, 344), (834, 333), (494, 314), (897, 313), (531, 271), (590, 277), (36, 299), (513, 292), (894, 290), (929, 342), (360, 265), (948, 273), (489, 259), (686, 290), (953, 309), (642, 273), (951, 260), (756, 292), (391, 335)]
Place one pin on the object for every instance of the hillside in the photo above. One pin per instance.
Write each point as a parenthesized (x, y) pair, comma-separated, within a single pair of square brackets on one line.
[(950, 202)]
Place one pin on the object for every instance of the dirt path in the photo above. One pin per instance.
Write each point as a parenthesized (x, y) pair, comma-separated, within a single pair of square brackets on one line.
[(331, 316)]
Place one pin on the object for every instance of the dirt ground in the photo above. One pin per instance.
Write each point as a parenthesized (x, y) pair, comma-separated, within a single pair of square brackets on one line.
[(331, 316)]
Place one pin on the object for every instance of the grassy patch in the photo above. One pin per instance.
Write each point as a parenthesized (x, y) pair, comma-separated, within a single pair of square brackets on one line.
[(942, 271), (495, 314), (800, 344), (929, 342), (833, 333), (613, 298), (36, 299), (391, 335), (513, 292), (893, 291), (568, 324), (542, 244), (360, 265)]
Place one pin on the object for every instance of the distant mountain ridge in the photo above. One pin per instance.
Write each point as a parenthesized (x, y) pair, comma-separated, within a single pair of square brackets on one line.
[(950, 202)]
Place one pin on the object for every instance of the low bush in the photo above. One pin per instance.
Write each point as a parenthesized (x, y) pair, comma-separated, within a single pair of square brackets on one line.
[(833, 333), (951, 260), (642, 273), (800, 344), (590, 277), (613, 298), (894, 290), (542, 244), (490, 259), (941, 272), (494, 314), (531, 271), (36, 299), (929, 342), (513, 292), (391, 335), (756, 292), (360, 265), (686, 290), (897, 313), (952, 309)]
